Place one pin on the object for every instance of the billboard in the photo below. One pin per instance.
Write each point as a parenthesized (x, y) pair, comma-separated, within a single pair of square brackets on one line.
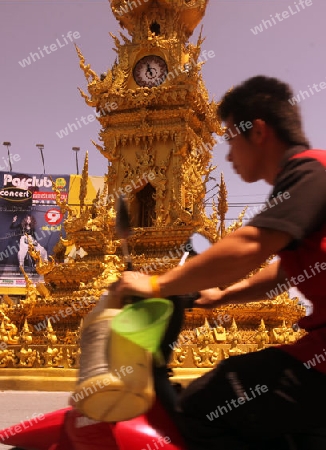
[(28, 210)]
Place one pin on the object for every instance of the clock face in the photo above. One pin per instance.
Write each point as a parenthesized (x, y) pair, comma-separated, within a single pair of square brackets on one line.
[(150, 71)]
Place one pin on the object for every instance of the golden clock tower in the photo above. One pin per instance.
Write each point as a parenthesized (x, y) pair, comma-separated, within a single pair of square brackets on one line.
[(157, 121)]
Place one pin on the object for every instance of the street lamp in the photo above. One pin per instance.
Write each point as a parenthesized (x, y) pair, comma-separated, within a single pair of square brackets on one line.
[(76, 149), (8, 144), (41, 147)]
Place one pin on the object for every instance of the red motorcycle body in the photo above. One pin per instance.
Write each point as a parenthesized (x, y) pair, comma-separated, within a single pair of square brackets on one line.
[(67, 429)]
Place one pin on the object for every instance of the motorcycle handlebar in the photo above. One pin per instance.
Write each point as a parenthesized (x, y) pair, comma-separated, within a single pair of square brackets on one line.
[(188, 300)]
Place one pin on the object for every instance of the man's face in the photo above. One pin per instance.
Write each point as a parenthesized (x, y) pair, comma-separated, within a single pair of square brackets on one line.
[(244, 152)]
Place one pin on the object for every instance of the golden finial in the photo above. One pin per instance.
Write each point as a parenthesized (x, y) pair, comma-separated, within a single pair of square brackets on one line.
[(86, 68), (83, 183), (222, 205), (87, 99), (99, 148), (49, 326), (25, 326)]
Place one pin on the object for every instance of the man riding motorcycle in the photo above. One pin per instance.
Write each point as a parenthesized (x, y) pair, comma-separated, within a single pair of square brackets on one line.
[(222, 409)]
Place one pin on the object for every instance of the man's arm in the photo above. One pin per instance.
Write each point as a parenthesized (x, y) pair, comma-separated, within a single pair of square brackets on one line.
[(256, 288), (226, 262)]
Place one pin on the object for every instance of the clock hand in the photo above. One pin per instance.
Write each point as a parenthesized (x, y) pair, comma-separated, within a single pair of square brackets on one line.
[(149, 70)]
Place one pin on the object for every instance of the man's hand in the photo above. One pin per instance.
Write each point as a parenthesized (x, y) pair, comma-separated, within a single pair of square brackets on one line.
[(131, 284), (209, 298)]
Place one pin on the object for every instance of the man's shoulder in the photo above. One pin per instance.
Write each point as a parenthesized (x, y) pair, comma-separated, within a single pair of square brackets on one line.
[(298, 200), (316, 154), (299, 164)]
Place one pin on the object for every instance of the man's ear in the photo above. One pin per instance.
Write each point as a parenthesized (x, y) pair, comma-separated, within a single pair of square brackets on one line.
[(258, 131)]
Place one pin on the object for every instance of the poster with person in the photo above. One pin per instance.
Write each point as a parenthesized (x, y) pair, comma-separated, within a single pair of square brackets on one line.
[(28, 212)]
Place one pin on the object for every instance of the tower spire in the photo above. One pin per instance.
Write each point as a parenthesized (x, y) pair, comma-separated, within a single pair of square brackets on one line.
[(187, 14)]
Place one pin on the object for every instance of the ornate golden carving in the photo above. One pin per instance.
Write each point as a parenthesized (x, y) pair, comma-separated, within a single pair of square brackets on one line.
[(89, 73), (83, 183), (178, 357), (7, 358), (284, 334), (8, 330), (262, 336), (42, 267)]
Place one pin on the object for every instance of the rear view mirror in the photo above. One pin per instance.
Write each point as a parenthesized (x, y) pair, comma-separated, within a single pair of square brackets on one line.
[(199, 243)]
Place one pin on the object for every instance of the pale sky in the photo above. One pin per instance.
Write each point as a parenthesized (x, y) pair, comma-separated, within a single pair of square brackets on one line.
[(40, 99)]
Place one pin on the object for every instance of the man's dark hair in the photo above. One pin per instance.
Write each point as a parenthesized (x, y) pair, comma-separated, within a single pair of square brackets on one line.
[(265, 98)]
